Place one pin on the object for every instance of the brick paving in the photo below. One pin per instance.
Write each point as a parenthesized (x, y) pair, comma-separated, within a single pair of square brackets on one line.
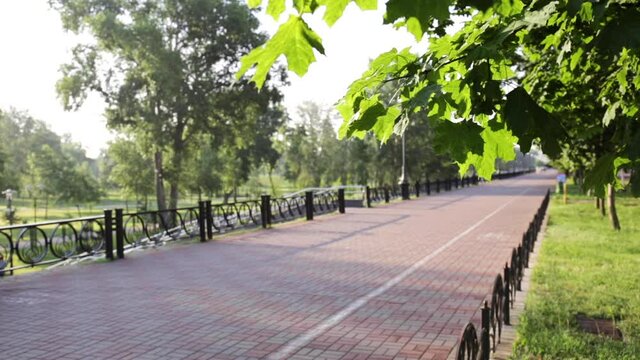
[(392, 282)]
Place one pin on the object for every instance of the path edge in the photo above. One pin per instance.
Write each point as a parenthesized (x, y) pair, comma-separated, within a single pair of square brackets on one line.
[(504, 349)]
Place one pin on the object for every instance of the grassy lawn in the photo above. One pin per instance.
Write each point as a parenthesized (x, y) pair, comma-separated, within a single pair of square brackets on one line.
[(584, 267)]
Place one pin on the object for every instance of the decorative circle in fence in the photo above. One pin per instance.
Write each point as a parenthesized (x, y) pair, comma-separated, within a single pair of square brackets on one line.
[(134, 229), (33, 248), (63, 241), (91, 236)]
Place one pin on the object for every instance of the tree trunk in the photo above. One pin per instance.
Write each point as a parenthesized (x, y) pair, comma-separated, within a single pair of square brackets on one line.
[(603, 210), (613, 214), (226, 195), (273, 186), (597, 202), (160, 194), (46, 207), (176, 166), (174, 183), (235, 192)]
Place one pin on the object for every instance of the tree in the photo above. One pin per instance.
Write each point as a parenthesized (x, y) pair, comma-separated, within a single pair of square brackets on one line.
[(54, 175), (165, 70), (466, 81), (132, 169)]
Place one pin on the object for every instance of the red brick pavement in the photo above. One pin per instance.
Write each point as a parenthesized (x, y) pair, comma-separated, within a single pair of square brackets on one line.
[(392, 282)]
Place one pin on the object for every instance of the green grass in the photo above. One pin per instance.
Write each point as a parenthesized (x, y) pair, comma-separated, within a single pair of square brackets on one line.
[(584, 267)]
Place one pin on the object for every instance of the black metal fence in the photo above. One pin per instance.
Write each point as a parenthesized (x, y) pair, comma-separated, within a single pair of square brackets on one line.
[(44, 243), (29, 245), (386, 194), (496, 313)]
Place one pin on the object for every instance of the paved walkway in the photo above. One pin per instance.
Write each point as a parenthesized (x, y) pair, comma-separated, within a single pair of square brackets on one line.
[(392, 282)]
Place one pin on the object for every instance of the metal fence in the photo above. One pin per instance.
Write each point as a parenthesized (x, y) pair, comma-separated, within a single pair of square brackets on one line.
[(45, 243), (495, 312), (377, 195), (30, 245)]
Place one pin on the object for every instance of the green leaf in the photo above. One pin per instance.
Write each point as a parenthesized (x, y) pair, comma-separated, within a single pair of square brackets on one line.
[(334, 11), (254, 3), (419, 97), (423, 12), (294, 39), (384, 125), (586, 11), (529, 121), (335, 8), (275, 8), (372, 116), (497, 145), (367, 4), (458, 139), (304, 6), (575, 58), (508, 7), (610, 114), (604, 172)]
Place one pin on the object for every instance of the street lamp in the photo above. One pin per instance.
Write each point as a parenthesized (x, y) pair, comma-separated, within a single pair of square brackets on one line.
[(11, 211), (404, 180)]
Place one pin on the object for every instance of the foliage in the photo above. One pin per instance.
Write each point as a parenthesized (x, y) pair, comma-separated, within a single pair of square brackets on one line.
[(38, 162), (583, 268), (507, 76), (314, 156), (165, 70), (131, 169)]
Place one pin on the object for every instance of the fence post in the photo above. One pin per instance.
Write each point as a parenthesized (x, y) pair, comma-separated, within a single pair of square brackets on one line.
[(484, 337), (507, 294), (520, 268), (404, 190), (209, 214), (368, 196), (108, 234), (119, 234), (264, 210), (417, 188), (341, 201), (202, 221), (308, 204)]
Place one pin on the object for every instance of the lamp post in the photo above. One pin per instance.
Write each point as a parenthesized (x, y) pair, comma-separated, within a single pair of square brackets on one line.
[(404, 180), (11, 211)]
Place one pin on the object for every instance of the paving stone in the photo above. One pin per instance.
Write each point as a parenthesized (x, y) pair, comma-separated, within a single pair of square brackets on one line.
[(249, 296)]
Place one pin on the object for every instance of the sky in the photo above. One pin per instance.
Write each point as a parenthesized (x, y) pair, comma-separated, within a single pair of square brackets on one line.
[(34, 45)]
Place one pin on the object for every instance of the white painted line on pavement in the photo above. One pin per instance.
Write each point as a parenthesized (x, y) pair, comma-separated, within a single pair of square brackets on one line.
[(302, 340)]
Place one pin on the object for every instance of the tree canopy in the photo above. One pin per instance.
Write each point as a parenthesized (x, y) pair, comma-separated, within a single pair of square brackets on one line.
[(527, 72), (165, 70)]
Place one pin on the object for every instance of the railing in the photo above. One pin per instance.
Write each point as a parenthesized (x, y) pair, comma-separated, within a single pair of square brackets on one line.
[(45, 243), (42, 243), (497, 313), (374, 195)]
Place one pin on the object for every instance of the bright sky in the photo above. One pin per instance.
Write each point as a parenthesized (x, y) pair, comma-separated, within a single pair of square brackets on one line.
[(34, 46)]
